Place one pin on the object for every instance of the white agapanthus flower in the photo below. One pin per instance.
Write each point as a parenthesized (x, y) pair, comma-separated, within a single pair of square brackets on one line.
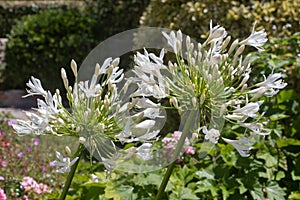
[(64, 162), (211, 77), (212, 134), (269, 87), (256, 39)]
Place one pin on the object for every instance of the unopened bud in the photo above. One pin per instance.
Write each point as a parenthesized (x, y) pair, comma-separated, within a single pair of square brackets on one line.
[(82, 140), (194, 102), (233, 46), (239, 51), (226, 42), (173, 102), (64, 77), (97, 70), (202, 98), (68, 151), (74, 67)]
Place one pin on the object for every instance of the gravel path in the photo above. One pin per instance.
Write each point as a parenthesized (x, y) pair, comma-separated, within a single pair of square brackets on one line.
[(15, 112)]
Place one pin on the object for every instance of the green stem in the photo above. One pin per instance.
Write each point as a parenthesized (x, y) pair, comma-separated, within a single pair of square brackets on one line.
[(72, 172), (188, 126)]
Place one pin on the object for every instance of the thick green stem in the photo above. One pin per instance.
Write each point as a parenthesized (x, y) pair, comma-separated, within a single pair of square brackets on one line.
[(188, 126), (72, 172)]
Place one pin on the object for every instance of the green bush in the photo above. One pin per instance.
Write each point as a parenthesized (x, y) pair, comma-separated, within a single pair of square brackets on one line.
[(279, 18), (39, 45), (115, 16), (14, 10)]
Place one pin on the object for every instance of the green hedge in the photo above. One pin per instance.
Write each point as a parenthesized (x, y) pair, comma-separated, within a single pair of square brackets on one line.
[(279, 18), (14, 10), (41, 44)]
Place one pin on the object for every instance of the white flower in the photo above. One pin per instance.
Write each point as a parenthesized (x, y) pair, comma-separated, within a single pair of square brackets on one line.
[(268, 85), (64, 163), (256, 128), (95, 178), (249, 110), (174, 40), (22, 127), (116, 76), (144, 151), (92, 90), (256, 39), (212, 135), (216, 33), (242, 145), (35, 88)]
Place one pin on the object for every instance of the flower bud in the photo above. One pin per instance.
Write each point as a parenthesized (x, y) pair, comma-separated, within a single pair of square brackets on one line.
[(239, 51), (74, 67), (233, 46), (68, 151), (82, 140)]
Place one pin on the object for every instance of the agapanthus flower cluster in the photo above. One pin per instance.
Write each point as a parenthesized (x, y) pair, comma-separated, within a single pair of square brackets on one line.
[(98, 115), (211, 79), (29, 184)]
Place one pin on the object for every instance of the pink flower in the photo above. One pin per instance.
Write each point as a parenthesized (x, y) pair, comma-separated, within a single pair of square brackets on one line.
[(20, 154), (2, 194), (28, 149), (2, 178), (6, 143), (36, 141), (3, 163), (52, 164), (10, 122), (28, 183), (190, 151), (25, 197)]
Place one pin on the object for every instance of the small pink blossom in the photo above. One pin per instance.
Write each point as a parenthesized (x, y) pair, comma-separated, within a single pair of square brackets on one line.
[(20, 154), (25, 197), (10, 122), (2, 194), (28, 149), (190, 151), (3, 163), (36, 141), (52, 164), (2, 178)]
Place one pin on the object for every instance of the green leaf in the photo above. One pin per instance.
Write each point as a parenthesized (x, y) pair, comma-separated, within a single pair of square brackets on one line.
[(270, 160), (277, 117), (118, 192), (205, 174), (275, 192), (257, 193), (284, 142), (294, 196), (280, 175)]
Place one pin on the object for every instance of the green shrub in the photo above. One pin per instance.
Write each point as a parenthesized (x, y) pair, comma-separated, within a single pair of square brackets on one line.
[(115, 16), (279, 18), (39, 45), (10, 11)]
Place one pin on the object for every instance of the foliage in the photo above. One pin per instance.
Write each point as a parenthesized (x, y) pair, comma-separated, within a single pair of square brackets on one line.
[(39, 45), (279, 18), (114, 16), (14, 10)]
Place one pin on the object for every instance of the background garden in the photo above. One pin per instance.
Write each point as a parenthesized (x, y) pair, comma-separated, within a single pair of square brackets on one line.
[(43, 36)]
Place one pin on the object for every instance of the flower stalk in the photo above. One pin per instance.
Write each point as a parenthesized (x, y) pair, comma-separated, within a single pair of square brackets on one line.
[(185, 133), (72, 172)]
